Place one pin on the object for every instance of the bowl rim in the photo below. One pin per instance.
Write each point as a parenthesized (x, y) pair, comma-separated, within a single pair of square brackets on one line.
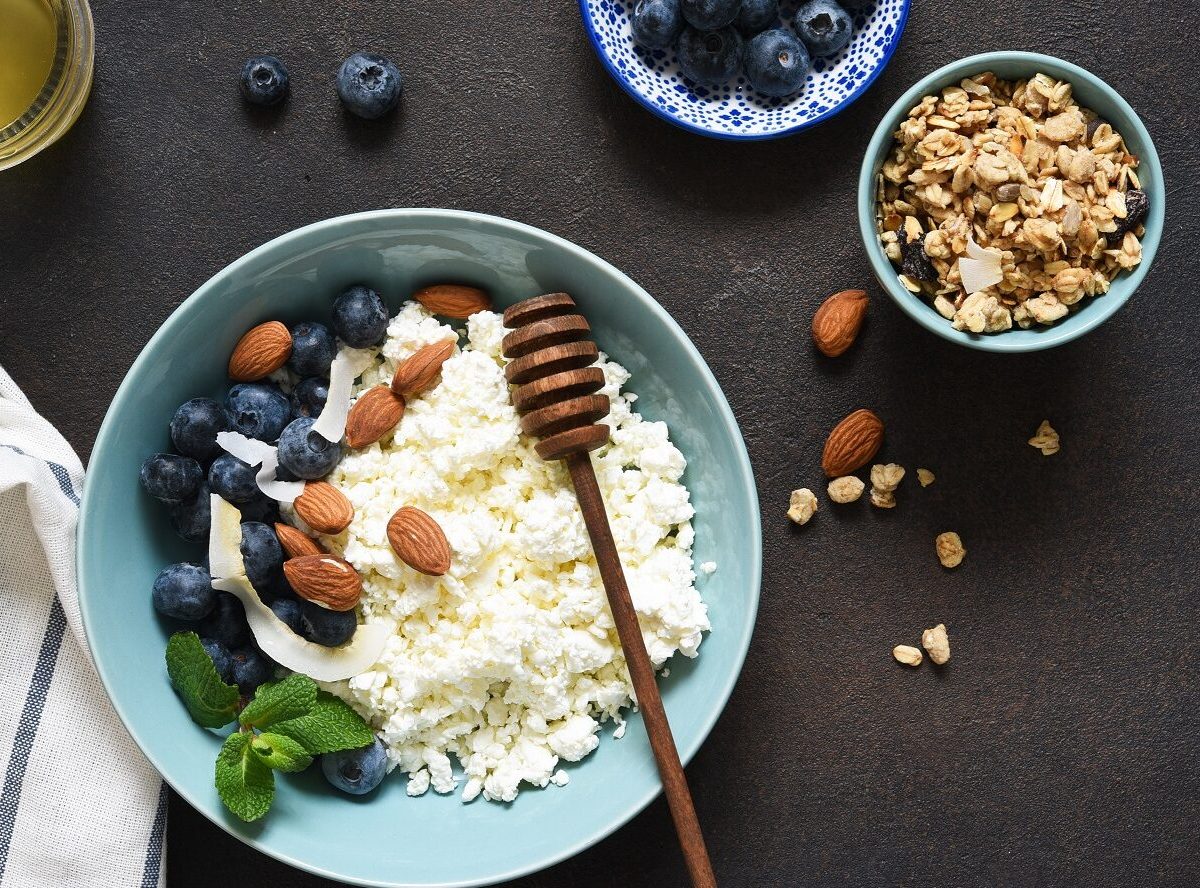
[(89, 599), (1150, 172), (656, 110)]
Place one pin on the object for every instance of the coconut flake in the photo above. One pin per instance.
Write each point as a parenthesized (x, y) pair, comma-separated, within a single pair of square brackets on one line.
[(268, 483), (331, 424), (291, 651), (981, 269), (224, 539), (248, 450)]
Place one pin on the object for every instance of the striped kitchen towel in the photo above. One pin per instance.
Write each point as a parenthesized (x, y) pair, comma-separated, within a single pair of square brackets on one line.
[(79, 805)]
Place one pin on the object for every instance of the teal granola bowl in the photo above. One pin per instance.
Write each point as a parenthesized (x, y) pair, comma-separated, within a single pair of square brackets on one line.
[(387, 838), (1090, 92)]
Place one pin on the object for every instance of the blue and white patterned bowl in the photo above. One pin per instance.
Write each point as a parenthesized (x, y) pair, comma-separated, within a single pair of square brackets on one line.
[(736, 111)]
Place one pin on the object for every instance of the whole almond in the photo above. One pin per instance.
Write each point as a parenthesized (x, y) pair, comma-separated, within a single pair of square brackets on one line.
[(374, 414), (837, 322), (326, 580), (419, 541), (453, 300), (418, 371), (262, 351), (324, 508), (852, 443), (296, 543)]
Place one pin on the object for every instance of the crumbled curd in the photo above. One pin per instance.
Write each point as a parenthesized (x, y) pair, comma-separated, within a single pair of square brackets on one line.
[(510, 662)]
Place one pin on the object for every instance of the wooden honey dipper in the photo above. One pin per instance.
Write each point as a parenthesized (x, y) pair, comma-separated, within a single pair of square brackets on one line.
[(556, 384)]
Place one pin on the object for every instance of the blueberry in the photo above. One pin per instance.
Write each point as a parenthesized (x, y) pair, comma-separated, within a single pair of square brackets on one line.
[(171, 479), (306, 454), (656, 23), (258, 410), (264, 80), (232, 479), (369, 85), (824, 26), (251, 668), (356, 771), (313, 349), (288, 611), (324, 626), (309, 396), (261, 553), (711, 58), (194, 428), (755, 16), (221, 658), (709, 15), (184, 592), (776, 63), (360, 318), (260, 508), (227, 623), (1137, 205), (191, 520)]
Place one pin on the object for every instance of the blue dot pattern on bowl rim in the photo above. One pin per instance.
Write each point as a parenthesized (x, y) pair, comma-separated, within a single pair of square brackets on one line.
[(736, 111)]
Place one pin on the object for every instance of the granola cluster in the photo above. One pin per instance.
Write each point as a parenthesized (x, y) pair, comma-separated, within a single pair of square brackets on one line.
[(1012, 186)]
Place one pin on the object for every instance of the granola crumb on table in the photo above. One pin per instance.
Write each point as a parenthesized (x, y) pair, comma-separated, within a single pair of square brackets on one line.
[(845, 489), (802, 506), (907, 654), (950, 549), (1019, 174), (884, 481), (1045, 439), (926, 477), (937, 644)]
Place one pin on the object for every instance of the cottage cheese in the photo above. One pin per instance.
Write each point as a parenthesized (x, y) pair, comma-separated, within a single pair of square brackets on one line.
[(510, 662)]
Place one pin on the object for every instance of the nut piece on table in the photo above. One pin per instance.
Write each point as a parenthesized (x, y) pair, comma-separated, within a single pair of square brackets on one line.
[(950, 549), (836, 324), (926, 477), (1045, 439), (884, 481), (852, 443), (937, 643), (907, 654), (845, 489), (803, 505)]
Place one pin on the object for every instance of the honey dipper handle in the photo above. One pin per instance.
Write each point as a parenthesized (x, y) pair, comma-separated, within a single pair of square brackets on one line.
[(679, 798)]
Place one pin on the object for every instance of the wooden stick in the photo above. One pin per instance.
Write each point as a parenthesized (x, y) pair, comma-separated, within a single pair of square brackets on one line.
[(679, 798)]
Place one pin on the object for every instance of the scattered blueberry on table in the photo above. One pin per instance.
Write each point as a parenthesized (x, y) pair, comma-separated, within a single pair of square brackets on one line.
[(369, 85), (264, 80), (356, 771)]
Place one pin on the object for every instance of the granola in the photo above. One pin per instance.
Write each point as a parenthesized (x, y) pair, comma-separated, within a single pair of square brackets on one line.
[(1004, 202), (845, 489), (802, 505), (950, 549), (884, 481), (1045, 439)]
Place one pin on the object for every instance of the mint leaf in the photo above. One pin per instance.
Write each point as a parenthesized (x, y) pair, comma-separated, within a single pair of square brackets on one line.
[(244, 783), (280, 752), (280, 701), (330, 726), (211, 702)]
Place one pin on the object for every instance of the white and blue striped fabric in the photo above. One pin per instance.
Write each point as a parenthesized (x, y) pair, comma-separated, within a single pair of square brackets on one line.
[(79, 804)]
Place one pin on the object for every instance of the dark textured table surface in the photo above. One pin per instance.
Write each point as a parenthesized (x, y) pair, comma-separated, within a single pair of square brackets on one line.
[(1059, 747)]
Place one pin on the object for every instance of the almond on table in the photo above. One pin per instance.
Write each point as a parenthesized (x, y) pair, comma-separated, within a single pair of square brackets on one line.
[(852, 443), (836, 324)]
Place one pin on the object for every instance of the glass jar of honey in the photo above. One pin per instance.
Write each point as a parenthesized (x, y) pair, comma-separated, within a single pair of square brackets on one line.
[(46, 51)]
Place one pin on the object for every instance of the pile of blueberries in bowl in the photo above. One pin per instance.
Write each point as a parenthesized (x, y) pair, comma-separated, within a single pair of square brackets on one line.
[(184, 480), (715, 40)]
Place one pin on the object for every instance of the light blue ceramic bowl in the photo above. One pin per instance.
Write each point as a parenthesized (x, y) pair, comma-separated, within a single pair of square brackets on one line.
[(736, 111), (1091, 92), (388, 838)]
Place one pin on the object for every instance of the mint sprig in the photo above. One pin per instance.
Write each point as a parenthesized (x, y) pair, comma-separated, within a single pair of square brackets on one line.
[(245, 783), (330, 726), (210, 701), (282, 728)]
